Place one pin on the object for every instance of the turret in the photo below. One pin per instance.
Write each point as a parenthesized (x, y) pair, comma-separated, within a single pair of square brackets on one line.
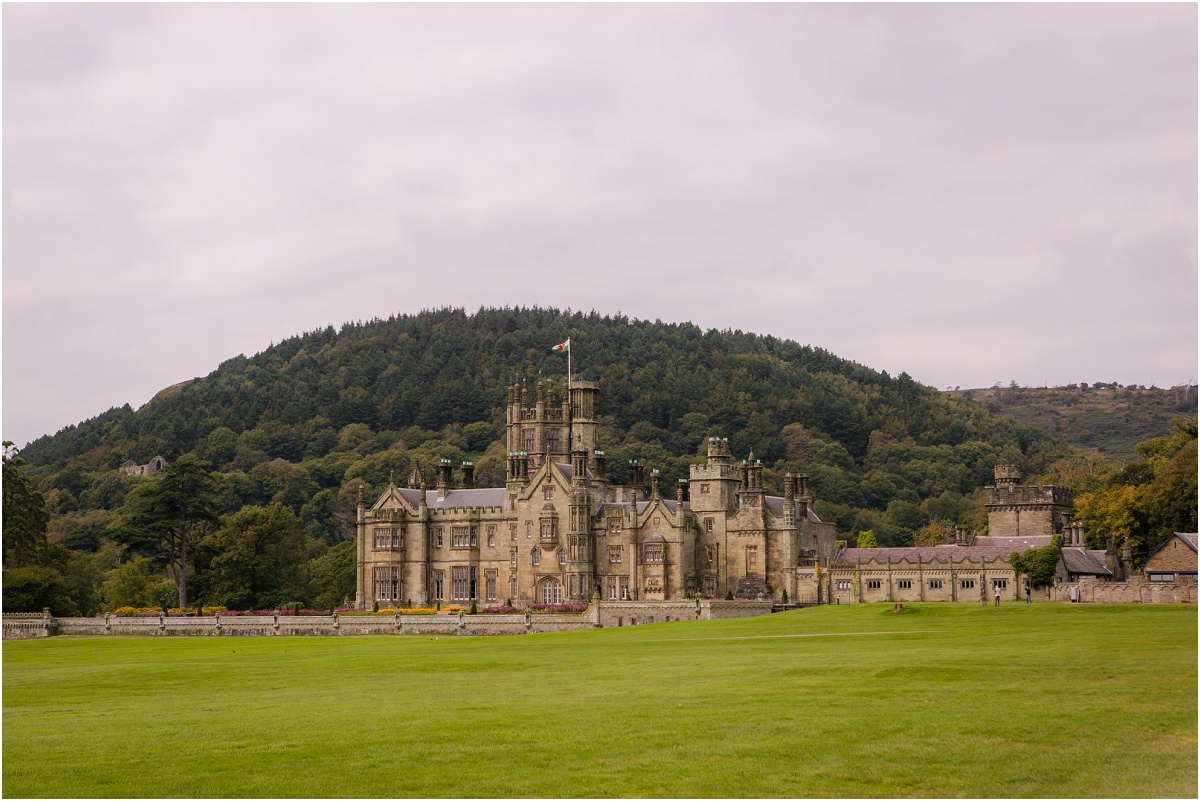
[(600, 461), (1007, 474)]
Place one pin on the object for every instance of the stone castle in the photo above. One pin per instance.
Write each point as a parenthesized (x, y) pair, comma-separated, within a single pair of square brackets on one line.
[(559, 530)]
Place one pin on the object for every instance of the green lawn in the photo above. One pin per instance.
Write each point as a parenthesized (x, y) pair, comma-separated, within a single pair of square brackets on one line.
[(1032, 701)]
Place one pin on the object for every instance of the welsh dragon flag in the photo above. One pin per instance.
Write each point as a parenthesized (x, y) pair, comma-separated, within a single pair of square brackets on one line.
[(562, 347)]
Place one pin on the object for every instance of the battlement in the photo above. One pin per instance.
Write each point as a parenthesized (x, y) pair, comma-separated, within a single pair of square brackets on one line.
[(1027, 495)]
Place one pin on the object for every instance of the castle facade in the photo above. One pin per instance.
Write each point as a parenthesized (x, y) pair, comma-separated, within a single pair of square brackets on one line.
[(559, 531)]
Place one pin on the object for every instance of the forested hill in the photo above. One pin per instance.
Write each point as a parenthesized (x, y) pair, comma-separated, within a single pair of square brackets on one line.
[(301, 421), (1108, 417)]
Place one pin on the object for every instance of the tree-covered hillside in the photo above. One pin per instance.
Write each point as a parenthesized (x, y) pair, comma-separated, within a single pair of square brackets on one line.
[(295, 422), (1108, 417), (293, 430)]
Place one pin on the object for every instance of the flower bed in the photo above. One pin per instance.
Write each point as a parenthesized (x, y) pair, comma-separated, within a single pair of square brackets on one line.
[(501, 610)]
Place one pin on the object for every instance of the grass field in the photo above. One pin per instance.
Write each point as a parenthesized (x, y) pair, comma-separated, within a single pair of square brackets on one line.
[(940, 700)]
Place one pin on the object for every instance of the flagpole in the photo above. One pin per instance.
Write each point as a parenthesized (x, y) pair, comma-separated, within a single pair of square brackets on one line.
[(568, 364)]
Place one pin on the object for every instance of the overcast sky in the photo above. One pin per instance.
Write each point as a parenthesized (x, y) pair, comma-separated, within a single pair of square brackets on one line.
[(969, 193)]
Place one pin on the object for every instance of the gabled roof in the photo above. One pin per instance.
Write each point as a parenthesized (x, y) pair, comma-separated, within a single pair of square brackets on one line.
[(1081, 560), (1188, 539), (671, 506)]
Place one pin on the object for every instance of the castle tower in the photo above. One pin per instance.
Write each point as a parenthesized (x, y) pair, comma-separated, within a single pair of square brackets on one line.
[(713, 485), (579, 581), (582, 415), (1024, 510)]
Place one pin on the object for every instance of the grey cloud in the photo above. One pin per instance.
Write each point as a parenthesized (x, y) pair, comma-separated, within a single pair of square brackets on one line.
[(906, 185)]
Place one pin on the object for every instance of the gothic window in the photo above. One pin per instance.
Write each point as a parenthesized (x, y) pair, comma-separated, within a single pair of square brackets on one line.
[(387, 584), (873, 585), (548, 492), (439, 585), (460, 537), (624, 588), (1001, 583), (562, 557), (388, 539), (491, 585), (710, 588), (536, 557), (512, 532), (528, 529), (512, 588), (491, 532), (613, 586), (904, 584), (614, 525), (968, 584), (529, 441), (654, 554), (437, 534), (549, 528), (461, 583), (474, 536), (552, 440), (751, 558), (935, 584), (552, 592), (614, 555), (710, 553), (708, 525), (843, 585), (512, 558)]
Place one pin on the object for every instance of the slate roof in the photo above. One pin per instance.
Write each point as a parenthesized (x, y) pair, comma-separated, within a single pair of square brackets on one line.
[(1014, 543), (457, 498), (926, 554), (775, 504), (641, 506), (1081, 560), (1190, 539), (569, 471)]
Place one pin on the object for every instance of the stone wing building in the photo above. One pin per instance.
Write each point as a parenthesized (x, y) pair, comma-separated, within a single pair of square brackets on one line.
[(1020, 517), (559, 531)]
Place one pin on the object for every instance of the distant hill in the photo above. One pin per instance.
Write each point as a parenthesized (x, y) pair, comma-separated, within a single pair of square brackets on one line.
[(302, 422), (1109, 418)]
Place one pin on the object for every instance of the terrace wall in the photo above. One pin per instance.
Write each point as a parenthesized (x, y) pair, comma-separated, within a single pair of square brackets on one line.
[(1137, 590), (27, 626)]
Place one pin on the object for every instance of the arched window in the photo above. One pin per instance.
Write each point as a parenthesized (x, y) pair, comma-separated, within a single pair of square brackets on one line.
[(536, 557), (562, 557), (552, 591)]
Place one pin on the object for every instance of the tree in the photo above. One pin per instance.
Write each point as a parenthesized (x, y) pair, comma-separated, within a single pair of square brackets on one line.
[(25, 515), (1038, 564), (130, 584), (168, 513), (261, 558), (34, 588), (866, 539)]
